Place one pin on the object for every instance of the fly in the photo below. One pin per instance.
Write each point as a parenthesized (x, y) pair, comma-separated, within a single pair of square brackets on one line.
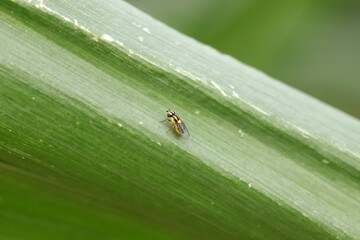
[(178, 124)]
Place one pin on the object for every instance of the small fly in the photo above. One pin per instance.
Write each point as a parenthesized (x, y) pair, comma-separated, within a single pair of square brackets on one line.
[(178, 124)]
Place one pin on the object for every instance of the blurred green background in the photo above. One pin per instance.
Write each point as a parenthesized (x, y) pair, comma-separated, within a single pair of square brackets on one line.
[(312, 45)]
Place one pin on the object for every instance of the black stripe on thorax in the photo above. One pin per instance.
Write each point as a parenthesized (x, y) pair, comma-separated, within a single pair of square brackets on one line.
[(176, 118)]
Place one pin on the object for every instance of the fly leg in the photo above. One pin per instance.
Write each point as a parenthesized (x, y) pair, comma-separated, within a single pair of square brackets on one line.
[(165, 120), (172, 125), (169, 128)]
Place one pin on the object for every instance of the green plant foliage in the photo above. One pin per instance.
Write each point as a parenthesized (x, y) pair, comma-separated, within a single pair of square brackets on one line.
[(310, 45), (83, 85)]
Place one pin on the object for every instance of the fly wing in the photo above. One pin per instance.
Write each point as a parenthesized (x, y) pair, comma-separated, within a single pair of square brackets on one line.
[(182, 129)]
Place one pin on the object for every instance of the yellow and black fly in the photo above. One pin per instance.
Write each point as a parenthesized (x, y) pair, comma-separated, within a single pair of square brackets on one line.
[(178, 124)]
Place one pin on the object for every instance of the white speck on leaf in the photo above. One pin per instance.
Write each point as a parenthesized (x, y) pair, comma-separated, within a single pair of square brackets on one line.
[(257, 108), (303, 132), (241, 132), (218, 87), (136, 24), (107, 38), (120, 125), (84, 28), (234, 94), (119, 43), (146, 30)]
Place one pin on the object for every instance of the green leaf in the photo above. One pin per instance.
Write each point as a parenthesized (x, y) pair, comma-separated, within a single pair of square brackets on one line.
[(83, 86)]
